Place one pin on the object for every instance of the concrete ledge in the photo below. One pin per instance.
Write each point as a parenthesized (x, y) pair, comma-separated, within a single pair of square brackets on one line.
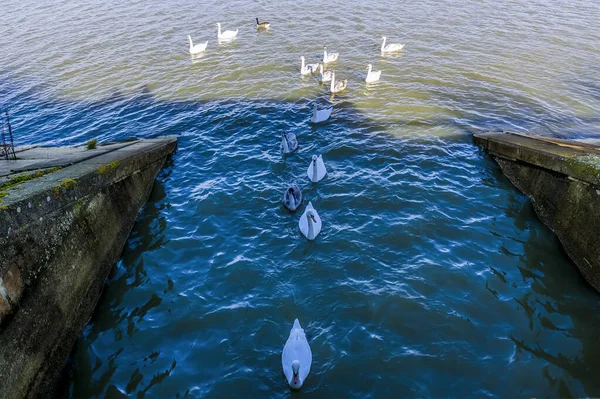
[(60, 235), (562, 178)]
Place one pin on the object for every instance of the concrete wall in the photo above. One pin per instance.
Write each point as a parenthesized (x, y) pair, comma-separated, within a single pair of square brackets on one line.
[(59, 239), (569, 207), (562, 178)]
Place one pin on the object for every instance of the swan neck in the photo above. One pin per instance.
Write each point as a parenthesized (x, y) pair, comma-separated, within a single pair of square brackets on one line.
[(311, 228), (370, 68), (315, 176), (383, 43), (219, 29), (302, 59), (332, 81), (284, 143)]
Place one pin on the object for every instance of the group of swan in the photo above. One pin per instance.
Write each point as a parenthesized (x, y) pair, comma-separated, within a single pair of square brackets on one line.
[(310, 223), (296, 358), (227, 35), (329, 76)]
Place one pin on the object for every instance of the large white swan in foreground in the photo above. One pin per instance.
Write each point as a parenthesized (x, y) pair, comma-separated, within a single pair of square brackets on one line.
[(338, 86), (316, 170), (228, 34), (289, 143), (319, 116), (372, 76), (331, 57), (324, 76), (390, 48), (310, 222), (292, 198), (296, 357), (307, 69), (198, 48)]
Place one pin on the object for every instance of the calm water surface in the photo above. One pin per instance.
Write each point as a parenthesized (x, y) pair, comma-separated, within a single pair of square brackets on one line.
[(432, 276)]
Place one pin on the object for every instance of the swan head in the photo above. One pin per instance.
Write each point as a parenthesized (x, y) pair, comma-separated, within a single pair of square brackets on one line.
[(309, 215), (383, 37), (369, 66), (291, 190), (296, 382), (314, 157)]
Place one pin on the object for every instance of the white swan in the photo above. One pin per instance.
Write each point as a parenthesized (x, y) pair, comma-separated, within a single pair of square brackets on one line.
[(262, 25), (289, 143), (296, 357), (329, 57), (308, 68), (198, 48), (336, 87), (322, 115), (292, 198), (228, 34), (390, 48), (324, 76), (316, 170), (372, 76), (310, 222)]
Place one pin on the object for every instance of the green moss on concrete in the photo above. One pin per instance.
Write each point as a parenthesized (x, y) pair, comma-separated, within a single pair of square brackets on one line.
[(68, 184), (91, 144), (20, 179), (109, 167)]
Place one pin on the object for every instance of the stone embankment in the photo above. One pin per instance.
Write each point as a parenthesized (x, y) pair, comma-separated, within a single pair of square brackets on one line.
[(562, 178), (65, 214)]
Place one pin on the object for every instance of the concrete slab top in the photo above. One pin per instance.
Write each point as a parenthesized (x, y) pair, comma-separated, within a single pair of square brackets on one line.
[(577, 159), (47, 166)]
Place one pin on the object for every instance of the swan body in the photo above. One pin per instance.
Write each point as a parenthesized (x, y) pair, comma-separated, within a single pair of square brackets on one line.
[(228, 34), (316, 170), (292, 198), (336, 87), (372, 76), (296, 357), (289, 143), (307, 69), (310, 223), (262, 25), (324, 76), (321, 115), (198, 48), (390, 48), (329, 57)]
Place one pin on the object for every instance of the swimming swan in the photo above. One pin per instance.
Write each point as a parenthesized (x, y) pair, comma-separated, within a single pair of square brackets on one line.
[(307, 69), (390, 48), (336, 87), (320, 115), (324, 76), (329, 57), (316, 170), (228, 34), (296, 357), (289, 143), (262, 25), (198, 48), (372, 76), (310, 223), (292, 198)]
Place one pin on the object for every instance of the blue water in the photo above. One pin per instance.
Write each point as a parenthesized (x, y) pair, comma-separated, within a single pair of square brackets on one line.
[(432, 276)]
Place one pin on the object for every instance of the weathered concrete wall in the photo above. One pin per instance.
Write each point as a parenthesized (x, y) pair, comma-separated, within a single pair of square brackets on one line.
[(561, 178), (60, 235)]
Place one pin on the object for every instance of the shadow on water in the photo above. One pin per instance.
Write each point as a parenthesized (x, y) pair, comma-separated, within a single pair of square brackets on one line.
[(536, 296)]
